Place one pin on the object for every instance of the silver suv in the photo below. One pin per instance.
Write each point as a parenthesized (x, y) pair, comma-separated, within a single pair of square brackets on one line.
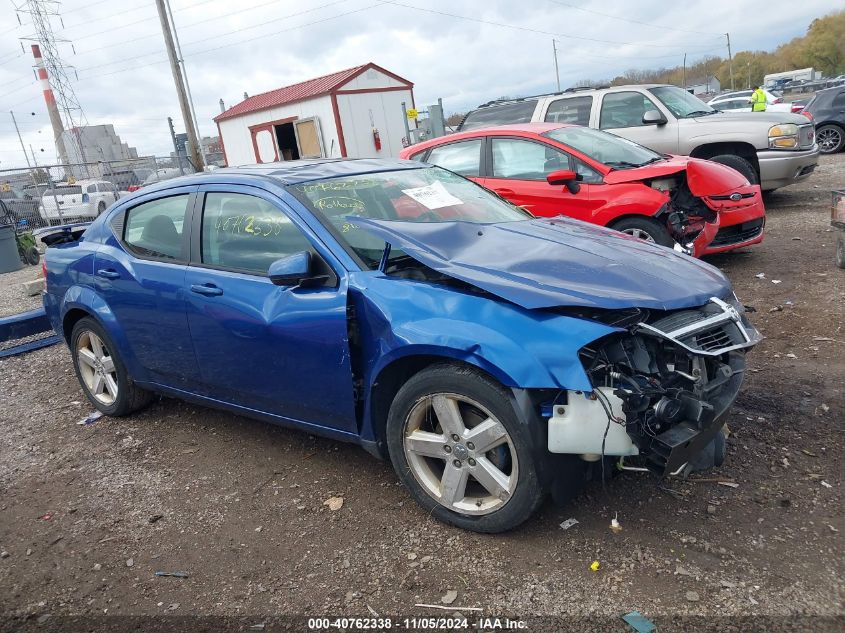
[(774, 149)]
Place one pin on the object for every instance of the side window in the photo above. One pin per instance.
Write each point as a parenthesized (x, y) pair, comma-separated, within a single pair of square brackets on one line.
[(839, 100), (588, 175), (463, 158), (624, 109), (246, 233), (570, 110), (525, 160), (154, 229), (92, 189)]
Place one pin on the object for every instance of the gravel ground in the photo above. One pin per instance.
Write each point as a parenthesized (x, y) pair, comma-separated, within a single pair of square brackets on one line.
[(12, 297), (88, 514)]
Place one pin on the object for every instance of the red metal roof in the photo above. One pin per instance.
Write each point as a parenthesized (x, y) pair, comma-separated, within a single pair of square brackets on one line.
[(297, 92)]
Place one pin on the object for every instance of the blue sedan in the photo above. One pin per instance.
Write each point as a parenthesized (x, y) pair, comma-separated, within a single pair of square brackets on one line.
[(492, 356)]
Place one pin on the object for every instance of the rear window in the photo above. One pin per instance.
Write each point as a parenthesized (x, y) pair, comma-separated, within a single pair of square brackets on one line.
[(69, 190), (503, 114)]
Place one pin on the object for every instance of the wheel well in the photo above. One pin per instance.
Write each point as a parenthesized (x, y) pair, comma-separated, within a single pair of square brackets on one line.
[(628, 216), (390, 381), (743, 150), (70, 320)]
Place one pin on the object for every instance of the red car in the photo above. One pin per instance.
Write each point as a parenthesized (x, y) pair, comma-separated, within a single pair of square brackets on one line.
[(555, 169)]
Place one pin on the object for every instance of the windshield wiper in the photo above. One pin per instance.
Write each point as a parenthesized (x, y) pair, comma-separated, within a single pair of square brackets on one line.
[(621, 164), (700, 113)]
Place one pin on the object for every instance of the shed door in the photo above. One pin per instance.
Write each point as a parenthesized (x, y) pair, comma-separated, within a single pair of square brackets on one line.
[(264, 143), (308, 138)]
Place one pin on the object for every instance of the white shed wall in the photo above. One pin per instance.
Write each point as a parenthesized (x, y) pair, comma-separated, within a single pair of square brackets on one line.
[(386, 108), (237, 138)]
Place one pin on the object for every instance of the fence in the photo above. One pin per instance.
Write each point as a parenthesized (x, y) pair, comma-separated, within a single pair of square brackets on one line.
[(50, 195)]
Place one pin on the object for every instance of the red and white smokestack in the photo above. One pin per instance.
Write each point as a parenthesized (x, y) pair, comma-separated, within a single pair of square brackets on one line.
[(50, 100)]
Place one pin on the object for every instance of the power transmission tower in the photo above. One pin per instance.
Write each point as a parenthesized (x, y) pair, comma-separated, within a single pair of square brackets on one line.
[(53, 74)]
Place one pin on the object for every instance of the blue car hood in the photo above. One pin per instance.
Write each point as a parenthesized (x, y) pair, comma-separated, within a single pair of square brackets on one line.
[(549, 262)]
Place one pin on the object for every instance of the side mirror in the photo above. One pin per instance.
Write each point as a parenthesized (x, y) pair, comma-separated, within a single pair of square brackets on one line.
[(654, 117), (290, 270), (565, 177)]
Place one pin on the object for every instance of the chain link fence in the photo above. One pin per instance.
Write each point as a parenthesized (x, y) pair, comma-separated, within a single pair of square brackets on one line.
[(50, 195)]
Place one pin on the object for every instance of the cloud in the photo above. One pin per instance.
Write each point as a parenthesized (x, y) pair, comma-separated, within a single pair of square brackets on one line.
[(258, 45)]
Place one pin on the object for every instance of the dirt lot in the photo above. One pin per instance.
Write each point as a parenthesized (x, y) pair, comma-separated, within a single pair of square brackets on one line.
[(88, 514)]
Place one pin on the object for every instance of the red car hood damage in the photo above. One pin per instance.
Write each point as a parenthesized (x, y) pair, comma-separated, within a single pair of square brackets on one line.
[(704, 177)]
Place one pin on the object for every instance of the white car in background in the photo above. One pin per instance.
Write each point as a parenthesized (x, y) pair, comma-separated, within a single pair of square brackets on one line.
[(740, 101), (80, 199)]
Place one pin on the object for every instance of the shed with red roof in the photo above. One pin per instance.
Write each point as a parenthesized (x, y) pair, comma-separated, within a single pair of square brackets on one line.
[(354, 113)]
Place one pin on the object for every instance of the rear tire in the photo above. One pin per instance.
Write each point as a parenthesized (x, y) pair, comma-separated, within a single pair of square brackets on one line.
[(739, 164), (487, 479), (831, 138), (101, 207), (101, 371), (646, 229), (840, 251), (32, 256)]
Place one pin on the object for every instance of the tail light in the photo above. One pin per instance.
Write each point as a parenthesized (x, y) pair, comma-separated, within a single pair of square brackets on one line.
[(44, 269), (778, 100), (85, 197), (807, 114), (796, 108), (132, 188)]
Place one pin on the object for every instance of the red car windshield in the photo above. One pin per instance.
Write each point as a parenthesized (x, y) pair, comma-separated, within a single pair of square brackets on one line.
[(608, 149), (409, 195)]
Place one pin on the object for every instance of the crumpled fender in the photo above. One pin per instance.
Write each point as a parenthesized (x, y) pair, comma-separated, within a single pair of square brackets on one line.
[(521, 348)]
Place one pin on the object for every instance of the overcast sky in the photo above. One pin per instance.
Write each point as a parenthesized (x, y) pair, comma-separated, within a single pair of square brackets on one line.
[(465, 51)]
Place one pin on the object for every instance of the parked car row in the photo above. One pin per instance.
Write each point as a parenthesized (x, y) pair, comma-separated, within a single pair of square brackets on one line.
[(557, 169), (740, 101), (773, 149), (82, 199)]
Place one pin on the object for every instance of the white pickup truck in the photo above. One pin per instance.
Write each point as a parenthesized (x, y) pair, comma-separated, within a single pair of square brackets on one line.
[(773, 149)]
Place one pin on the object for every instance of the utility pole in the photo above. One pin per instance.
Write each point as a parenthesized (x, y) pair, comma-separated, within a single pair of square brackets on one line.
[(23, 147), (180, 87), (187, 83), (557, 71), (730, 61), (175, 146), (685, 71)]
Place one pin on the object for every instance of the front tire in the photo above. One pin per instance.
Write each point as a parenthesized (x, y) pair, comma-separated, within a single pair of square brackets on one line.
[(646, 229), (100, 208), (739, 164), (457, 444), (840, 250), (101, 371), (830, 138)]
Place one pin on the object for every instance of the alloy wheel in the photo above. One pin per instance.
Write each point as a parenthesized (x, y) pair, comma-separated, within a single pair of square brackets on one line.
[(96, 366), (639, 234), (460, 454), (829, 139)]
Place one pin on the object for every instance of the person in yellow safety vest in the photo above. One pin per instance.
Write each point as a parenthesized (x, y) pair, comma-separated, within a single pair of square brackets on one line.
[(758, 100)]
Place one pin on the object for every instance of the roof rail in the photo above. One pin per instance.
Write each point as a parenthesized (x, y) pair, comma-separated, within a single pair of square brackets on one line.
[(580, 88)]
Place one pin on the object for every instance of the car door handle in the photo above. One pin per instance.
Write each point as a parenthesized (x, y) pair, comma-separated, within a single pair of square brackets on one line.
[(108, 273), (208, 290), (504, 192)]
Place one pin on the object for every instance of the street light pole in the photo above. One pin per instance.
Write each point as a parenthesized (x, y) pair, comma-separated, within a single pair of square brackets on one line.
[(557, 71), (730, 61)]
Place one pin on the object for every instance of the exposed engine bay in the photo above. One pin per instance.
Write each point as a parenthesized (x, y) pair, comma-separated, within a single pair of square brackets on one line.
[(684, 213), (661, 386)]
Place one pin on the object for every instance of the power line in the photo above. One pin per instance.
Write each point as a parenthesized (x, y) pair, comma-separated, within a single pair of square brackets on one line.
[(525, 28), (211, 19), (616, 17), (231, 32), (244, 41), (136, 22)]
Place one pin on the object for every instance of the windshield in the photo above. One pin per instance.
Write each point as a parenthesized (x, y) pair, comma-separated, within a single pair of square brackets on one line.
[(63, 190), (681, 103), (504, 114), (606, 148), (412, 195)]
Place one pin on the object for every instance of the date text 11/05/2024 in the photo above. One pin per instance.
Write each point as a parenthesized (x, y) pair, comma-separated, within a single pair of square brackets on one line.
[(417, 624)]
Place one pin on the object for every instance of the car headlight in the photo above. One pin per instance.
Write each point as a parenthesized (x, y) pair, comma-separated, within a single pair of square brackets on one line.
[(783, 136)]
